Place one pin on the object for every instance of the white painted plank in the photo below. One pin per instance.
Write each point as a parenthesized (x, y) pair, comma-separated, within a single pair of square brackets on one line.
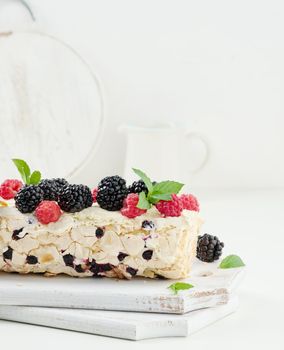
[(212, 286), (134, 326)]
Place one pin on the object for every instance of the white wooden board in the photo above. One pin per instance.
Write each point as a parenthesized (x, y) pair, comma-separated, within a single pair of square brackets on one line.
[(127, 325), (212, 286)]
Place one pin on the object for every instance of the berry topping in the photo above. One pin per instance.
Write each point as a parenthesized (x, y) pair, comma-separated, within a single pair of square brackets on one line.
[(111, 192), (48, 211), (137, 187), (8, 253), (32, 260), (68, 260), (172, 207), (209, 248), (74, 198), (147, 255), (99, 232), (94, 194), (129, 208), (28, 198), (99, 268), (121, 256), (9, 188), (50, 189), (148, 225), (189, 202), (60, 182)]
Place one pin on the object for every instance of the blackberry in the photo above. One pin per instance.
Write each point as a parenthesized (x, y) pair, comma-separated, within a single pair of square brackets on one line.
[(137, 187), (51, 188), (8, 254), (209, 248), (147, 255), (74, 198), (111, 192), (32, 260), (28, 198)]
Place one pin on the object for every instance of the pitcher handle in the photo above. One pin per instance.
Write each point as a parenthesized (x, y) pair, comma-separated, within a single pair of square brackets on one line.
[(198, 136)]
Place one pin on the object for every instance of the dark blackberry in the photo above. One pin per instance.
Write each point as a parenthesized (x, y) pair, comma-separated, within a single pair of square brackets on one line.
[(209, 248), (111, 192), (78, 268), (50, 190), (99, 268), (137, 187), (74, 198), (32, 260), (60, 182), (147, 255), (28, 198)]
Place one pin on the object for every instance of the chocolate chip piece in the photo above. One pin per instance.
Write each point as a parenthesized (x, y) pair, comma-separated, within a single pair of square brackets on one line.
[(147, 255), (15, 234), (79, 268), (32, 260), (121, 256), (148, 225), (131, 271), (99, 232), (7, 255), (68, 259)]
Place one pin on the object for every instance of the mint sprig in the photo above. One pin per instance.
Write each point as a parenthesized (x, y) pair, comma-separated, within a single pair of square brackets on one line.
[(160, 191), (176, 287), (231, 261), (25, 172)]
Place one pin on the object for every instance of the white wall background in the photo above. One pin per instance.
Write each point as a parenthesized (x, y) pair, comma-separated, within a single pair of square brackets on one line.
[(211, 66)]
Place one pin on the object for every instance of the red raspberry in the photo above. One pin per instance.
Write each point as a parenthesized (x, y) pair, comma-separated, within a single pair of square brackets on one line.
[(129, 208), (9, 188), (189, 202), (170, 208), (47, 211), (94, 194)]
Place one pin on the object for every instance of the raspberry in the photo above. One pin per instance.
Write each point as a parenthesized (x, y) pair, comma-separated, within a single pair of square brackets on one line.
[(170, 208), (94, 194), (189, 202), (9, 188), (48, 211), (129, 208)]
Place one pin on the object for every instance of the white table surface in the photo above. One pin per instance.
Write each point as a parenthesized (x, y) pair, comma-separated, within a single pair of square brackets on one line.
[(251, 225)]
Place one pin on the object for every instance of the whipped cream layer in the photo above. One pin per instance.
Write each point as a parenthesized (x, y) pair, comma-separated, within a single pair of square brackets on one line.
[(96, 242)]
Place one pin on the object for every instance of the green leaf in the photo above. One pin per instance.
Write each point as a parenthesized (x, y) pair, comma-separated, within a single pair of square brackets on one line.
[(176, 287), (23, 169), (155, 198), (231, 261), (167, 187), (145, 178), (35, 177), (143, 203)]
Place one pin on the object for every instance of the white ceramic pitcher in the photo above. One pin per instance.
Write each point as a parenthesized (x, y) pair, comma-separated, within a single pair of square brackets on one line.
[(164, 153)]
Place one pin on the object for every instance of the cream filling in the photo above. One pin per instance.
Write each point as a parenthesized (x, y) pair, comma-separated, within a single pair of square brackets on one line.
[(172, 242)]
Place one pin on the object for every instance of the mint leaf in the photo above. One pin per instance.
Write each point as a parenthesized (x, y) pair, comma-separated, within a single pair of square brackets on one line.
[(143, 203), (168, 187), (145, 178), (231, 261), (35, 177), (23, 169), (155, 198), (176, 287)]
